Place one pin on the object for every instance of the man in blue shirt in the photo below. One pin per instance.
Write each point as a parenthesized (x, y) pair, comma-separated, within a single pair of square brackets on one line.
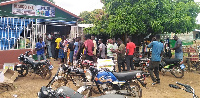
[(157, 50), (40, 49)]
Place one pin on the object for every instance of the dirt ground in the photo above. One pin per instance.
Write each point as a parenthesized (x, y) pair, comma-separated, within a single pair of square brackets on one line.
[(27, 87)]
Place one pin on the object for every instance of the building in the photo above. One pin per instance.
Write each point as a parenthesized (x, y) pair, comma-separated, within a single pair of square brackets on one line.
[(23, 21)]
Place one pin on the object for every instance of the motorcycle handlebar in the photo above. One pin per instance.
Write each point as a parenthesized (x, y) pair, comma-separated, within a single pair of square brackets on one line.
[(186, 86), (174, 86)]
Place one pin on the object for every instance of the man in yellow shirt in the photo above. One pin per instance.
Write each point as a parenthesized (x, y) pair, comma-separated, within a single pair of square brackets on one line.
[(58, 40)]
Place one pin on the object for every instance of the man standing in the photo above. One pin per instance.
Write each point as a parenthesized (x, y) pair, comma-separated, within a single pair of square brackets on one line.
[(76, 47), (101, 49), (121, 55), (49, 39), (89, 46), (80, 48), (178, 48), (65, 49), (115, 47), (71, 47), (157, 50), (40, 48), (58, 40), (95, 48), (110, 50), (130, 49)]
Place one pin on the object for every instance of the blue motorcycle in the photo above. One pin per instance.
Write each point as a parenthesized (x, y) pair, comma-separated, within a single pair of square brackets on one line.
[(107, 82)]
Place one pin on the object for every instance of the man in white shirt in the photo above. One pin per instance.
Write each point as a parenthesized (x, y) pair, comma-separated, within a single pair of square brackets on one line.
[(102, 47)]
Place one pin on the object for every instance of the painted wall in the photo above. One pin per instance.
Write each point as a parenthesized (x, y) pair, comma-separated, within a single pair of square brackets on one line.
[(10, 56)]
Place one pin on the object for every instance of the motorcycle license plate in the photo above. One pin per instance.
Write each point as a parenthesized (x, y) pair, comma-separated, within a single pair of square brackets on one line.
[(182, 66), (50, 67)]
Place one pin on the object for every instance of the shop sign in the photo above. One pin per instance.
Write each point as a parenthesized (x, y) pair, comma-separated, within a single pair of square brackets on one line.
[(33, 10)]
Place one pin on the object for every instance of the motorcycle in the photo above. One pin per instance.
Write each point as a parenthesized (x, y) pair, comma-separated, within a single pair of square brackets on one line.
[(29, 65), (107, 82), (173, 66), (68, 73), (187, 88), (65, 92), (141, 63)]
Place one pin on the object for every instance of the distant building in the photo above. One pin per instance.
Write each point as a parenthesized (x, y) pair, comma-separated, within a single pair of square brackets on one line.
[(77, 31)]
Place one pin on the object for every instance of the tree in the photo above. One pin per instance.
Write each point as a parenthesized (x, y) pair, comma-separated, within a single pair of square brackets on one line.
[(147, 16), (87, 17)]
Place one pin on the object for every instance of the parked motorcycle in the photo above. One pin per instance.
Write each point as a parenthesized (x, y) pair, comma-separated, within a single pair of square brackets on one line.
[(187, 88), (141, 63), (69, 73), (173, 66), (29, 65), (65, 92), (107, 82)]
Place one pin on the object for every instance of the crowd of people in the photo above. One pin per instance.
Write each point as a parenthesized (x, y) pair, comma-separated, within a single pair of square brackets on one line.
[(70, 50)]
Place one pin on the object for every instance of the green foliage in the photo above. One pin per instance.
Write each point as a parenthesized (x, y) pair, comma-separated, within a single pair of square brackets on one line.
[(146, 16)]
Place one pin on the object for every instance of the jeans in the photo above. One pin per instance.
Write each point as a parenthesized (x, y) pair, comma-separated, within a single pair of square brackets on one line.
[(179, 56), (39, 56), (49, 51), (71, 56), (129, 62), (154, 68), (121, 62), (56, 53)]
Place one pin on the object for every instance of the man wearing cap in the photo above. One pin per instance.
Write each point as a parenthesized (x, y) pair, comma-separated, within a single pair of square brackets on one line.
[(178, 48)]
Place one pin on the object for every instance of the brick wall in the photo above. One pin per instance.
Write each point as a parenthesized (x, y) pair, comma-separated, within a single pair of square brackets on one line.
[(10, 56)]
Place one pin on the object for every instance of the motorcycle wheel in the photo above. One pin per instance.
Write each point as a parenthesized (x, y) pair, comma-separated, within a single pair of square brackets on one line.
[(135, 90), (46, 73), (177, 72), (23, 70)]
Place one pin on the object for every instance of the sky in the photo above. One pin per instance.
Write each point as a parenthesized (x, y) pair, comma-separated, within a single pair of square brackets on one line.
[(78, 6)]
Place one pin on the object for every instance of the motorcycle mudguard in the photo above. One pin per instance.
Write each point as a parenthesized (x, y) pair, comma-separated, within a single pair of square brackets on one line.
[(19, 66), (43, 92), (69, 92)]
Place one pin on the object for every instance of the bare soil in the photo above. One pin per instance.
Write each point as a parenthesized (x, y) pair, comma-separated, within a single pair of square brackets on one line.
[(27, 87)]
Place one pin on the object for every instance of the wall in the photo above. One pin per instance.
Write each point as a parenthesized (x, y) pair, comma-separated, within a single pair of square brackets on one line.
[(10, 56)]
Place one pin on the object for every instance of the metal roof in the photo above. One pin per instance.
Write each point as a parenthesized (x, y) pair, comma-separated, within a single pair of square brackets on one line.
[(56, 6)]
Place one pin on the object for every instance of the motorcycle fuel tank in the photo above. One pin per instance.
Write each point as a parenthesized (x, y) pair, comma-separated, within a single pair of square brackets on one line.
[(105, 77)]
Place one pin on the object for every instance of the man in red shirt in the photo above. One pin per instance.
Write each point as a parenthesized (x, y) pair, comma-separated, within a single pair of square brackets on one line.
[(130, 48), (89, 46)]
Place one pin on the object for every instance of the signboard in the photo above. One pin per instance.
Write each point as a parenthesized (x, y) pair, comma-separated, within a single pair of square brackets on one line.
[(105, 63), (33, 10), (8, 66)]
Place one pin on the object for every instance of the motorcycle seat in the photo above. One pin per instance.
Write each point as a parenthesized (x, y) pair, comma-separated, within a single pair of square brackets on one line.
[(171, 61), (39, 62), (121, 76)]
